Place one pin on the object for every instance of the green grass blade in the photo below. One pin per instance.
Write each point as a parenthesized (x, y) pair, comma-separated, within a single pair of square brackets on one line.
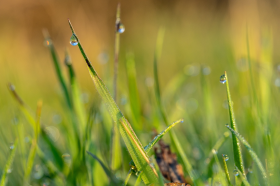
[(9, 164), (133, 90), (116, 161), (160, 135), (23, 107), (244, 180), (108, 172), (251, 152), (148, 147), (57, 67), (226, 169), (75, 93), (173, 137), (33, 148), (236, 146), (127, 178), (132, 143)]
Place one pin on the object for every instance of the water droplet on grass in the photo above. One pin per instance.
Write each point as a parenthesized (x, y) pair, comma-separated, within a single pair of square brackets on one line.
[(73, 40), (225, 157), (250, 170), (12, 147), (236, 173), (214, 151), (9, 171), (223, 79), (120, 27), (227, 125)]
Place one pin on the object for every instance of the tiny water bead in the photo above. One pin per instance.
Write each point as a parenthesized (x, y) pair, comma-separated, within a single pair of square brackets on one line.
[(236, 173), (227, 125), (226, 158), (120, 27), (73, 40), (223, 79), (12, 147)]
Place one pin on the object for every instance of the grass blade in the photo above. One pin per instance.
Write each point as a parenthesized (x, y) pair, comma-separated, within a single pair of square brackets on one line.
[(225, 158), (132, 143), (75, 92), (108, 172), (33, 148), (236, 146), (9, 164), (251, 152), (133, 90), (57, 67), (173, 137), (244, 180)]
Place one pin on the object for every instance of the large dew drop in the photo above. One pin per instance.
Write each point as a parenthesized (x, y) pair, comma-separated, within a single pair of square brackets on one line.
[(120, 27), (73, 40), (223, 79), (235, 172), (225, 157)]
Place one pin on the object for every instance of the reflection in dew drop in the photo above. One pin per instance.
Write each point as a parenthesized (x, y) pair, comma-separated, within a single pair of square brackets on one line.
[(73, 40), (226, 158), (120, 27), (223, 79), (206, 70), (277, 82), (235, 172)]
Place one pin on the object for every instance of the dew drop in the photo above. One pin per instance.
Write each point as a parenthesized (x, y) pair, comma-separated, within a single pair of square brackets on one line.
[(73, 40), (223, 79), (250, 170), (9, 171), (214, 151), (225, 157), (227, 125), (12, 147), (47, 42), (236, 173), (120, 27)]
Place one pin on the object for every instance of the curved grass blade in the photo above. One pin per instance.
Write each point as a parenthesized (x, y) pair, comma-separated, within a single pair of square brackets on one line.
[(31, 120), (251, 152), (132, 143), (58, 70), (244, 180), (9, 164), (110, 175), (236, 146), (173, 137)]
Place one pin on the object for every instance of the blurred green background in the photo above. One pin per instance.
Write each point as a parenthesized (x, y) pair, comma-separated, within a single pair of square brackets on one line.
[(202, 40)]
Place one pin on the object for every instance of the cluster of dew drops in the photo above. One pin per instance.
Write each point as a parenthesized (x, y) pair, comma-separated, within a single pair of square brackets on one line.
[(119, 29)]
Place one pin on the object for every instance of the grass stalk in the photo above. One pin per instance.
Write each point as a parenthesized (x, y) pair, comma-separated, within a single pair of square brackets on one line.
[(251, 152), (132, 144), (8, 165), (236, 146), (226, 169)]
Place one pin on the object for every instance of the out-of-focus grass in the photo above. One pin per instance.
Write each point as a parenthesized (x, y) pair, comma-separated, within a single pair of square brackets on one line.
[(195, 53)]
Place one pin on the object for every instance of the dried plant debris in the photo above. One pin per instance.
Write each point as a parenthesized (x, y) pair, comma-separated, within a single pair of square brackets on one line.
[(168, 165)]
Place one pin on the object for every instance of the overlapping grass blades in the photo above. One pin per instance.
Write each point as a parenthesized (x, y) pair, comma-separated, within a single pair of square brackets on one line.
[(173, 137), (244, 180), (252, 153), (236, 146), (133, 145), (9, 163)]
